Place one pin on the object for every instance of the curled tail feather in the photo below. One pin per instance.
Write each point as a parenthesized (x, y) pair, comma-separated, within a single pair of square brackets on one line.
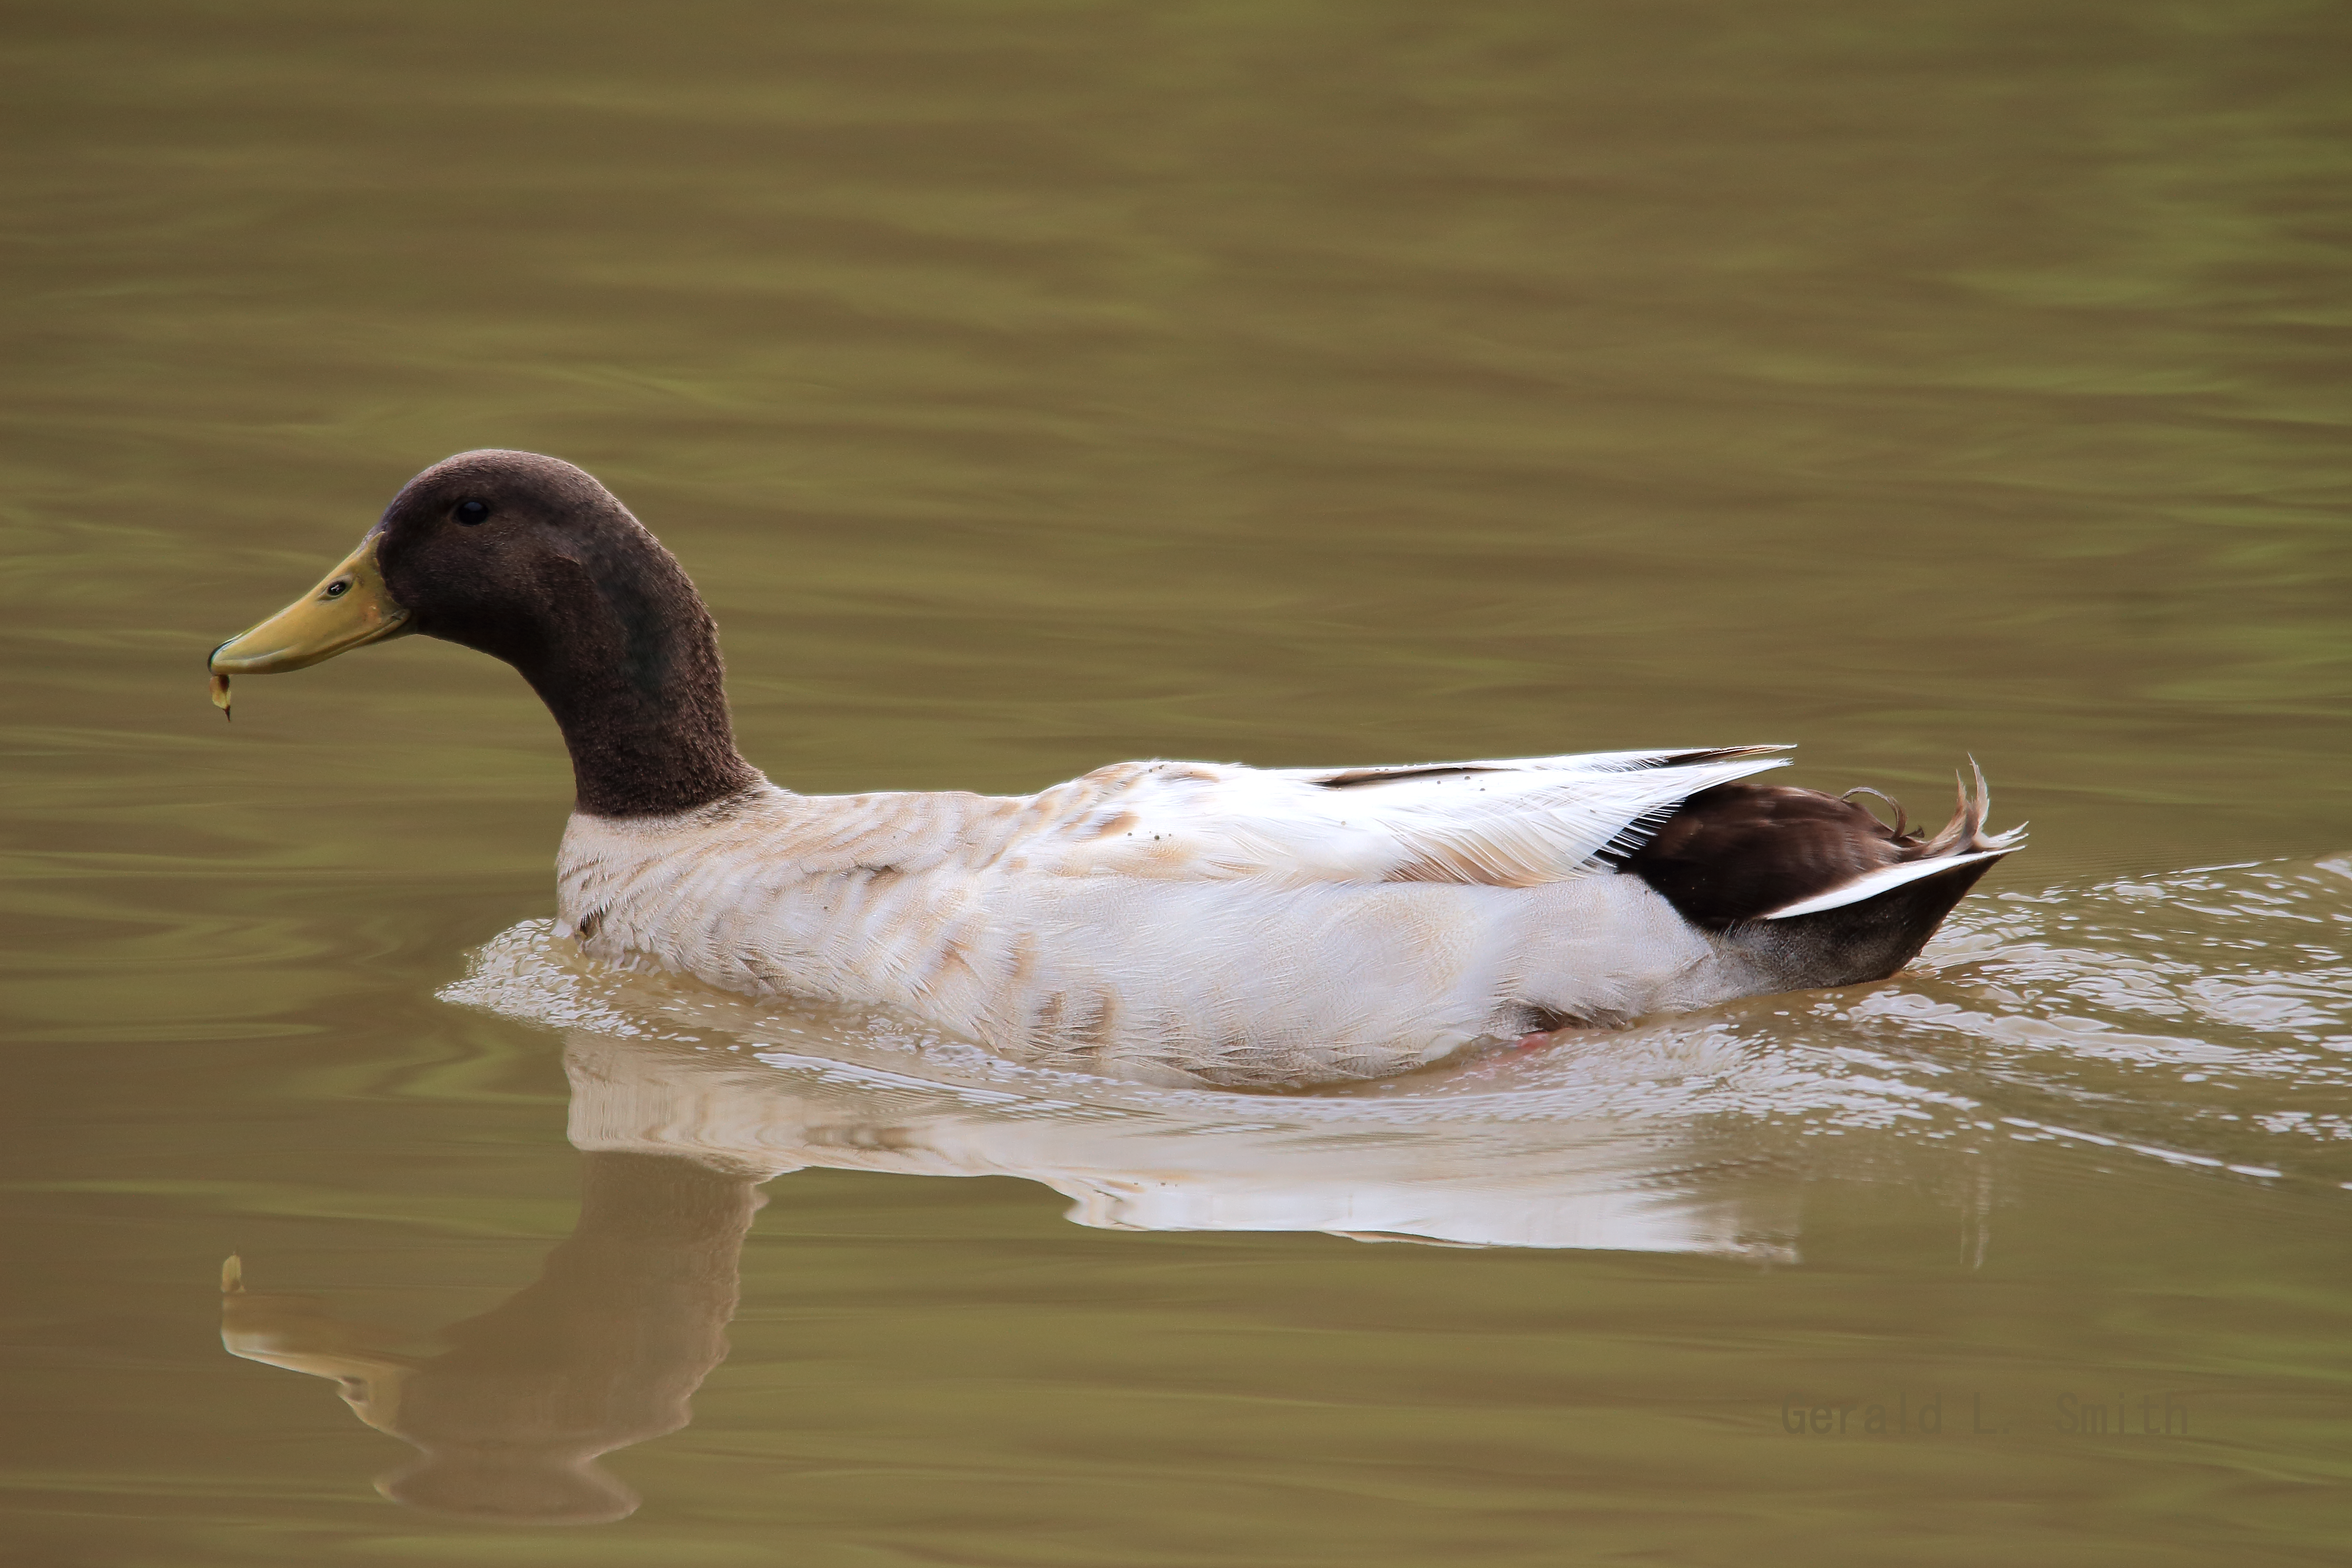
[(1962, 841), (1965, 834)]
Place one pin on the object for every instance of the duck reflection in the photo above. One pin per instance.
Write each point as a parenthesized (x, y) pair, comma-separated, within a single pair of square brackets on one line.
[(1473, 1169), (628, 1316), (603, 1349)]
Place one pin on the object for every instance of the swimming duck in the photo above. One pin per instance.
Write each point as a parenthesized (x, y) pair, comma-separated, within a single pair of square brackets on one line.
[(1198, 921)]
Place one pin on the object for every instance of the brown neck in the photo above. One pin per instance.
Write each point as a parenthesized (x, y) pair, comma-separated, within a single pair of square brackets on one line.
[(646, 721), (607, 628)]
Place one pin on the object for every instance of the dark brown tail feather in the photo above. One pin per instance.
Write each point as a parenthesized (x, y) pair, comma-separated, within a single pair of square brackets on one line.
[(1854, 942), (1740, 851)]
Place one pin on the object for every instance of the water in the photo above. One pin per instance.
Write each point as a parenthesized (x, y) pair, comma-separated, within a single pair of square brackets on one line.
[(1031, 387)]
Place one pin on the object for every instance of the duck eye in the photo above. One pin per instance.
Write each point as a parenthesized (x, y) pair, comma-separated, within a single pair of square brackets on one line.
[(472, 511)]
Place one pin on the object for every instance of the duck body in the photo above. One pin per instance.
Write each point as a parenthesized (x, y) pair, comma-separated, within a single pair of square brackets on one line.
[(1185, 921), (1155, 919), (1205, 922)]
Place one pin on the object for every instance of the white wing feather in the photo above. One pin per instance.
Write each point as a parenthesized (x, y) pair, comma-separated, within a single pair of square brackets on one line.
[(1511, 823)]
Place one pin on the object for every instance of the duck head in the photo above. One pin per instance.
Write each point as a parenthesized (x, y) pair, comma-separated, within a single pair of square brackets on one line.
[(529, 560)]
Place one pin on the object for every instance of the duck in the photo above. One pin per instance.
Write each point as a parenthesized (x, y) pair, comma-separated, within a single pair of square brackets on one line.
[(1191, 923)]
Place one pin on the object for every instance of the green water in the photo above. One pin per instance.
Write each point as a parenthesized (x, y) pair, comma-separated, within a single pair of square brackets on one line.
[(1033, 386)]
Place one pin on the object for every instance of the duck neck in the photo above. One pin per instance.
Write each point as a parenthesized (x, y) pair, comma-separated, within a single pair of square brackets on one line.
[(655, 757), (632, 673), (648, 733)]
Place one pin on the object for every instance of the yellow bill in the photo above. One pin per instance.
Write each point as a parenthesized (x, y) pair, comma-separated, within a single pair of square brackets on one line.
[(348, 609)]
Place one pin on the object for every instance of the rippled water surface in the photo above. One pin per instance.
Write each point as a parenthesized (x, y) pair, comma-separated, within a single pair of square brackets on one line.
[(1032, 386)]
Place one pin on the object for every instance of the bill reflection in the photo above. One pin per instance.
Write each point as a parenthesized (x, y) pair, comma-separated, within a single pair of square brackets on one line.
[(604, 1350)]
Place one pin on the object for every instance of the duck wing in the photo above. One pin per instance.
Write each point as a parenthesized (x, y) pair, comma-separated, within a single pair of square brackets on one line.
[(1512, 822)]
